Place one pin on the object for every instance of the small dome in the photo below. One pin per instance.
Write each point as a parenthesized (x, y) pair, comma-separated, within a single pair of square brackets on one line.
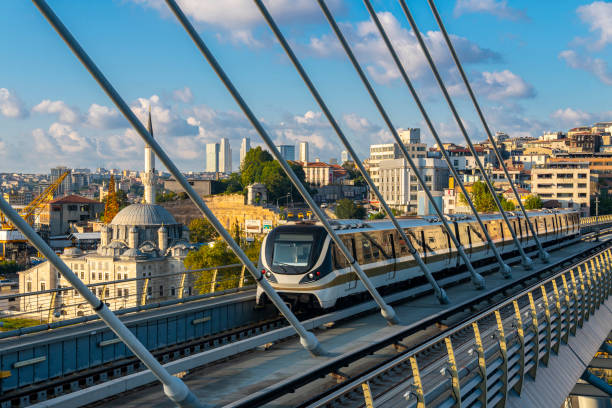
[(132, 253), (144, 214)]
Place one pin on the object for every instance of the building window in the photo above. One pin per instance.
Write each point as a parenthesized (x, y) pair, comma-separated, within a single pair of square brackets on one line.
[(82, 275), (93, 276), (161, 290), (150, 290), (119, 292), (126, 293), (99, 275), (106, 276), (29, 286), (43, 285), (172, 291)]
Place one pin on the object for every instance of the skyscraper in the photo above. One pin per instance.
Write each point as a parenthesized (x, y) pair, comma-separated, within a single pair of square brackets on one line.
[(244, 148), (287, 151), (66, 186), (304, 152), (212, 157), (225, 156)]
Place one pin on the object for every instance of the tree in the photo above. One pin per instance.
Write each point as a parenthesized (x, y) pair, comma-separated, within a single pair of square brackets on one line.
[(253, 164), (347, 209), (200, 230), (377, 216), (354, 173), (112, 206), (122, 200), (533, 202), (162, 197), (483, 199)]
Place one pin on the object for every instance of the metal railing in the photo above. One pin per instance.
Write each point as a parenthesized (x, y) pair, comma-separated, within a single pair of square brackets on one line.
[(64, 303), (595, 220), (480, 361)]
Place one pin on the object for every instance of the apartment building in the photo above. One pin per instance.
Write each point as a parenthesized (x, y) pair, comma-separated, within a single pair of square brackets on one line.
[(399, 186), (571, 184), (323, 174)]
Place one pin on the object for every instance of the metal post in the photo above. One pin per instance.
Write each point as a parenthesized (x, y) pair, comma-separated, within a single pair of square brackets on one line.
[(439, 292), (477, 279), (307, 339), (386, 310), (597, 217), (526, 261), (174, 388), (544, 256), (213, 281), (504, 268)]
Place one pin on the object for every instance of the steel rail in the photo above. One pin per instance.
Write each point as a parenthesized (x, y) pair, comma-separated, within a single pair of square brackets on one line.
[(543, 254), (439, 292), (387, 311), (504, 268), (308, 340), (527, 262), (477, 279)]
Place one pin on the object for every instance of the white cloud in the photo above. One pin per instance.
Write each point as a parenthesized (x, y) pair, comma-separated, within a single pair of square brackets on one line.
[(494, 7), (598, 16), (239, 17), (68, 139), (571, 117), (308, 117), (370, 48), (183, 95), (103, 117), (596, 66), (359, 124), (165, 120), (64, 112), (10, 104), (503, 85)]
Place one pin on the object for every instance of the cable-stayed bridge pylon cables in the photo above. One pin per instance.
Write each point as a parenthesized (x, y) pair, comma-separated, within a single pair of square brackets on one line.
[(307, 339), (544, 256), (439, 292), (387, 311), (174, 387), (526, 261), (504, 268), (476, 278)]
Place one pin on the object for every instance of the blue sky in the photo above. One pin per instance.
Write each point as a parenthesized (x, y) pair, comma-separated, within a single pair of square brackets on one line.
[(535, 66)]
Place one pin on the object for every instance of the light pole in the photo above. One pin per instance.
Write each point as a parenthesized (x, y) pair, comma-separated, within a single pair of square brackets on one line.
[(597, 216)]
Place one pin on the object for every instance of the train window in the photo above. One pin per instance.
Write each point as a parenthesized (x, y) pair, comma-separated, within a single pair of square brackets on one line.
[(339, 258), (292, 249), (366, 250)]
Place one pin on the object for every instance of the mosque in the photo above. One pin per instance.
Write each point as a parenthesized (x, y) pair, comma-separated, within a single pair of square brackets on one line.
[(142, 241)]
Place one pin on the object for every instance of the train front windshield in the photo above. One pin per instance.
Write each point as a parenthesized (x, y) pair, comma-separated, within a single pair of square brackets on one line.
[(292, 249)]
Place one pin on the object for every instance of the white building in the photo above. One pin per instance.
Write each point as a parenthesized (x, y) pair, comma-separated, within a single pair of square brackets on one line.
[(225, 156), (304, 156), (399, 187), (245, 146), (344, 156), (212, 157)]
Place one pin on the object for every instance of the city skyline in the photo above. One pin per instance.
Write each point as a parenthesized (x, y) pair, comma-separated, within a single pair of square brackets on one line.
[(68, 120)]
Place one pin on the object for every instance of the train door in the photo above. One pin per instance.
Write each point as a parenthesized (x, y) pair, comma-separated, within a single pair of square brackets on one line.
[(391, 254), (351, 282)]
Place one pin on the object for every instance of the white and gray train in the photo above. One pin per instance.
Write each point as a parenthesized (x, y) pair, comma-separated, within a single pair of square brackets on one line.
[(306, 268)]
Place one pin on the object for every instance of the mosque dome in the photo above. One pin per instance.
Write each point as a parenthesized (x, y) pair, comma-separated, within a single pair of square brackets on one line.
[(142, 215)]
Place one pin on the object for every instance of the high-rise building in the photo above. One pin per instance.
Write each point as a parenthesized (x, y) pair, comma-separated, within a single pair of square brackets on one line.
[(66, 186), (344, 156), (212, 157), (304, 157), (149, 179), (244, 148), (287, 151), (225, 156)]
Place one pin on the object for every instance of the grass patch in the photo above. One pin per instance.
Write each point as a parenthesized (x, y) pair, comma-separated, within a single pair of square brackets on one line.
[(9, 323)]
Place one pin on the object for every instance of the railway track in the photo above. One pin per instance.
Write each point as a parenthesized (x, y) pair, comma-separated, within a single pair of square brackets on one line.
[(106, 372)]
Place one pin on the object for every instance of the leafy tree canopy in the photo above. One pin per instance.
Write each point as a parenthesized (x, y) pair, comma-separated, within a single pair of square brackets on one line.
[(347, 209), (533, 202), (483, 199), (200, 230)]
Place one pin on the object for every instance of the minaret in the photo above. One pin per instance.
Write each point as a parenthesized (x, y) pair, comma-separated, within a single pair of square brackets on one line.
[(148, 176)]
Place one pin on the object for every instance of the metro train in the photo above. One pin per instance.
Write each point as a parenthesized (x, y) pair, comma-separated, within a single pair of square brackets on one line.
[(308, 270)]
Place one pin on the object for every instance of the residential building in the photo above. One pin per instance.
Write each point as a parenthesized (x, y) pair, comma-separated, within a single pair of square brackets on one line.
[(399, 186), (571, 184), (66, 186), (64, 212), (287, 151), (245, 146), (225, 156), (304, 157), (323, 174), (212, 157)]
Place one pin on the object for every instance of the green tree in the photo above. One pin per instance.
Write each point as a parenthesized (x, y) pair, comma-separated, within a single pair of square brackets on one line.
[(347, 209), (533, 202), (483, 199), (200, 230), (162, 197), (253, 164), (122, 200), (377, 216), (218, 255)]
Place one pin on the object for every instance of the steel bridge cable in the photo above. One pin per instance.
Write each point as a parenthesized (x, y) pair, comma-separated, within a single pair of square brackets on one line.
[(307, 339), (526, 261), (504, 268), (477, 279), (386, 310), (544, 256), (439, 292)]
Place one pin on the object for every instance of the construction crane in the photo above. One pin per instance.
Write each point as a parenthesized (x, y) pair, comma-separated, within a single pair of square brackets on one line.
[(12, 243)]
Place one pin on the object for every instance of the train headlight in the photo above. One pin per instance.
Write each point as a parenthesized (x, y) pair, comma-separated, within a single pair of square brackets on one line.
[(311, 275)]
